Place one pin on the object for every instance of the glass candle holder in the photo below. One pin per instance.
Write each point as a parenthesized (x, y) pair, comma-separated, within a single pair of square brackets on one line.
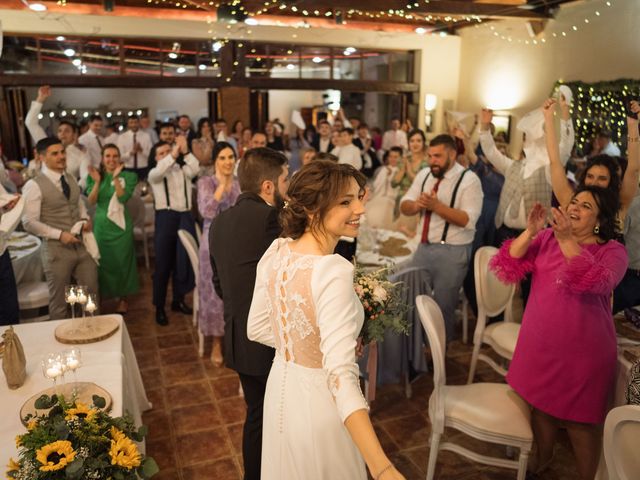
[(71, 297), (52, 368), (73, 360)]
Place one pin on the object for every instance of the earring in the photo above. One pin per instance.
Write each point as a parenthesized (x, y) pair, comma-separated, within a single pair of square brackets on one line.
[(596, 229)]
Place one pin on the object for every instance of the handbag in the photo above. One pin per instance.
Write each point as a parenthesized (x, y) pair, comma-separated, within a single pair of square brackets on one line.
[(14, 364)]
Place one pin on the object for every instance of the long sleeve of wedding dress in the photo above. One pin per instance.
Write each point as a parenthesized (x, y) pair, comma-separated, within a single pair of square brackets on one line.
[(259, 319), (339, 316)]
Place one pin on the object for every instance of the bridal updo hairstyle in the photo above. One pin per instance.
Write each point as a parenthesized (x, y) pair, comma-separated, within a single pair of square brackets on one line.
[(314, 190)]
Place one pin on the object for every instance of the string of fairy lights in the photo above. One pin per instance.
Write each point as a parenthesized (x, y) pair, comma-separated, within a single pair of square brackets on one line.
[(602, 105)]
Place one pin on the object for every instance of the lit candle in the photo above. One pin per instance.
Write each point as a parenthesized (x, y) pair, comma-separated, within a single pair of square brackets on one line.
[(53, 372), (72, 363), (82, 298), (91, 307), (72, 297)]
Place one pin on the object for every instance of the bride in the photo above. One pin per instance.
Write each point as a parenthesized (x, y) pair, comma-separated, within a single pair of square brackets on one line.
[(316, 421)]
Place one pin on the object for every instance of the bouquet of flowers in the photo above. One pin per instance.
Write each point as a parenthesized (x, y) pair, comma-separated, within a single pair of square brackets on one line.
[(383, 306), (77, 441)]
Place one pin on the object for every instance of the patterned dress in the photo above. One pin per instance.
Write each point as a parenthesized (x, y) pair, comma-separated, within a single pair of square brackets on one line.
[(211, 311)]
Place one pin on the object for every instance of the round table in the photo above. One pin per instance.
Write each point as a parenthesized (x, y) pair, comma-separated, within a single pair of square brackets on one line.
[(26, 260)]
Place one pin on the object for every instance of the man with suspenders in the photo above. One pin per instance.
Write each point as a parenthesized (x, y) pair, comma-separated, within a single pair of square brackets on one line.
[(448, 198), (170, 180)]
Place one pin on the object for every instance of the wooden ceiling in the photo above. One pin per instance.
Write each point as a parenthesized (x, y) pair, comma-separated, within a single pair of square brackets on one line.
[(386, 15)]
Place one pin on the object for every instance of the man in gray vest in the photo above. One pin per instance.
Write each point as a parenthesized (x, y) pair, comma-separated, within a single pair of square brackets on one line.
[(449, 199), (52, 207)]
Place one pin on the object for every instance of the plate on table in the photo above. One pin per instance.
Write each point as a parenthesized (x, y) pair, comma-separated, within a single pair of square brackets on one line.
[(86, 391)]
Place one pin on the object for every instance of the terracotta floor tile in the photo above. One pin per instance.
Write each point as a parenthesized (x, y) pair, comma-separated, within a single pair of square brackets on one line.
[(185, 394), (158, 423), (388, 445), (168, 474), (226, 387), (157, 398), (224, 469), (450, 466), (405, 466), (197, 447), (174, 355), (183, 372), (409, 431), (141, 329), (148, 359), (194, 418), (216, 372), (152, 377), (163, 452), (235, 434), (144, 343), (179, 339), (232, 410)]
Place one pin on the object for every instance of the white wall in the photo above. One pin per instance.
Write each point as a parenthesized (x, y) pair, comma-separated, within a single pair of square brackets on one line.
[(190, 101), (283, 102), (517, 77)]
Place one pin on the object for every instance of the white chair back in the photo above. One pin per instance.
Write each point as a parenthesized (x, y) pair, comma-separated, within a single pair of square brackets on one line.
[(433, 323), (493, 296), (190, 245), (135, 205), (621, 434)]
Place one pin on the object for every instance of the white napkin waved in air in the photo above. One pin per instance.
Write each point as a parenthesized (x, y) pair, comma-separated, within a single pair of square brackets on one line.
[(115, 211), (88, 239)]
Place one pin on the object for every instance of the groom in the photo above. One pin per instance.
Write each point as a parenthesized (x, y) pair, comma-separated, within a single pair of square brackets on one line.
[(238, 238)]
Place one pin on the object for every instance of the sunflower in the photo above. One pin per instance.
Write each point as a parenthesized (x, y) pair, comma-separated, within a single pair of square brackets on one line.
[(81, 411), (12, 466), (123, 451), (33, 423), (55, 456), (18, 441)]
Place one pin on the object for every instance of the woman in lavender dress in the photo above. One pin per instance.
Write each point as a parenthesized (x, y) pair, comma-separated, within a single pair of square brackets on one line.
[(216, 193)]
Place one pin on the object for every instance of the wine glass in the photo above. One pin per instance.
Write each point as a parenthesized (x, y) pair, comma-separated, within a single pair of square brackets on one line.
[(71, 297), (72, 360), (90, 307), (52, 368)]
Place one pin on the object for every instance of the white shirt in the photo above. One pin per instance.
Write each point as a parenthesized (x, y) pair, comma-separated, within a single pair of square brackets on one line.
[(394, 138), (381, 186), (33, 204), (469, 199), (93, 146), (125, 144), (349, 154), (611, 149), (77, 161), (502, 163), (323, 144), (167, 176), (153, 135), (6, 230)]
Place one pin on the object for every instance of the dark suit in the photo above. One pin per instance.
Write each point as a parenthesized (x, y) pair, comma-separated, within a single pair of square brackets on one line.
[(238, 238), (316, 144), (375, 163)]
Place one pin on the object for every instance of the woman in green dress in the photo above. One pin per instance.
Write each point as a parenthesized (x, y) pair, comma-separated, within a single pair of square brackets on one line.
[(117, 272)]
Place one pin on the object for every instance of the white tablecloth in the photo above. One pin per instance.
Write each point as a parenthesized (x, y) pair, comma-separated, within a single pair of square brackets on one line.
[(110, 364), (369, 241), (26, 259)]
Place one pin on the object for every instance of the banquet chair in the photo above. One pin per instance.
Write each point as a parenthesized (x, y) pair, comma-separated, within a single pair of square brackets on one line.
[(621, 433), (32, 295), (189, 244), (494, 297), (143, 224), (491, 412)]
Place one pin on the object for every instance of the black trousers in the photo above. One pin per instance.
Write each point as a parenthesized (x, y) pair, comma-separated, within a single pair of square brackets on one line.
[(172, 260), (627, 293), (9, 309), (254, 387)]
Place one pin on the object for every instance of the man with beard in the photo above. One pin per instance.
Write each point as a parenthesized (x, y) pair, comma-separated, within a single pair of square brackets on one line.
[(449, 199), (238, 238)]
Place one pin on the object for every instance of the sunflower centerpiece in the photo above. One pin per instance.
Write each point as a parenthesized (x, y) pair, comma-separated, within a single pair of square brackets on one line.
[(79, 441)]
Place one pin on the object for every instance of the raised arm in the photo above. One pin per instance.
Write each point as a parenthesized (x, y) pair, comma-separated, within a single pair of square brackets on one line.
[(630, 181), (31, 120), (500, 161), (559, 183)]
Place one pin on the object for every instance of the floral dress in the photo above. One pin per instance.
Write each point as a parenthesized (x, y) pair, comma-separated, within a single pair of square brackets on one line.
[(211, 311)]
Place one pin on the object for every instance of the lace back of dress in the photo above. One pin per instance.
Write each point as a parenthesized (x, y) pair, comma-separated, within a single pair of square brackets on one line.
[(293, 317)]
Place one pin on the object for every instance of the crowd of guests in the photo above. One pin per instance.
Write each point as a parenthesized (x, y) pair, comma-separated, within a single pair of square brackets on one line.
[(456, 192)]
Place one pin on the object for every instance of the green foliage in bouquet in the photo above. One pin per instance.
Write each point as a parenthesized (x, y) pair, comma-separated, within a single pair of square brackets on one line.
[(77, 441), (383, 305)]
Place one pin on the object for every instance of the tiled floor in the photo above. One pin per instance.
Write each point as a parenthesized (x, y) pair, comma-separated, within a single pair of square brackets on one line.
[(195, 426)]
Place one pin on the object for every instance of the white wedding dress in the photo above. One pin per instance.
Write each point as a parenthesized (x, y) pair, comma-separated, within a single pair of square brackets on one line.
[(306, 308)]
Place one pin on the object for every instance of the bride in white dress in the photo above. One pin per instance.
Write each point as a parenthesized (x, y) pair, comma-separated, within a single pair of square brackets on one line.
[(316, 422)]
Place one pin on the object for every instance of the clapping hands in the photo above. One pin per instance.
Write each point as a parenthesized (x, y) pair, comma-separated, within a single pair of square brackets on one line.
[(561, 224), (537, 219)]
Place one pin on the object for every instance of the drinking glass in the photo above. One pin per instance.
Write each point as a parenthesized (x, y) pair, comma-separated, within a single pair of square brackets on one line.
[(52, 368), (71, 297), (72, 359)]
